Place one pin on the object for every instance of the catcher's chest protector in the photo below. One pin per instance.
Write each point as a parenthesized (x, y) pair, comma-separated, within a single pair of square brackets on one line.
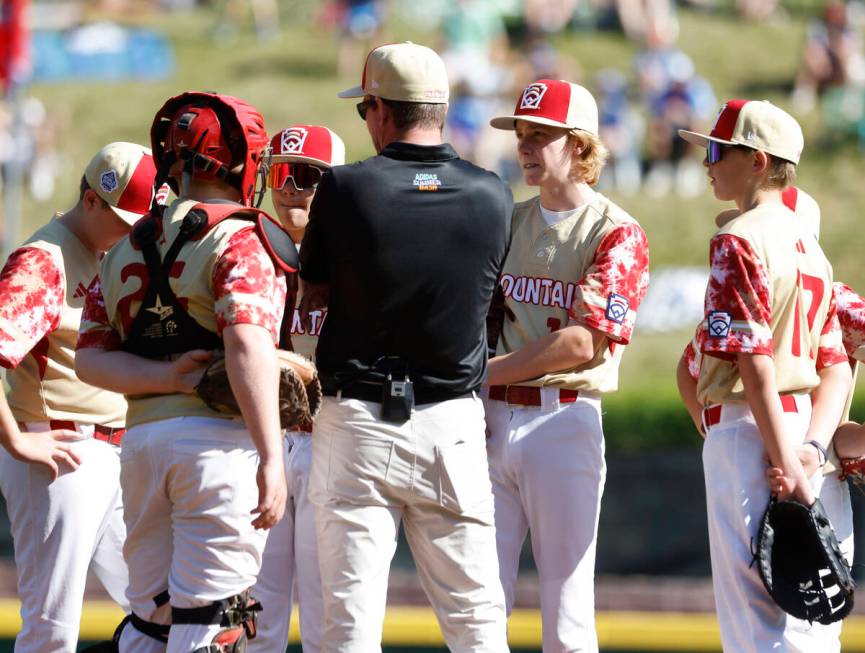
[(163, 327)]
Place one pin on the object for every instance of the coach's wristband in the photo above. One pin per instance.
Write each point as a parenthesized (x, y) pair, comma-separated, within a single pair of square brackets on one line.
[(821, 451)]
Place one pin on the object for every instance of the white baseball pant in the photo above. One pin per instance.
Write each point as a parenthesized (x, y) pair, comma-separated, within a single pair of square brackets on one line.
[(291, 556), (430, 473), (737, 493), (188, 489), (60, 529), (548, 471)]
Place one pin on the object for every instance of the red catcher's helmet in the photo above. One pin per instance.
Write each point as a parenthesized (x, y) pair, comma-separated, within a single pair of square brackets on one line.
[(217, 136)]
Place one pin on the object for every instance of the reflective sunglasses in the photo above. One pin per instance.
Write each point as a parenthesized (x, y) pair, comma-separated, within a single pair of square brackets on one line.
[(715, 150), (362, 108), (302, 175)]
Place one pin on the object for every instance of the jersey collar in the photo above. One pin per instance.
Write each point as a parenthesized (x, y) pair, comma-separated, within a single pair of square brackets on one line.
[(410, 152)]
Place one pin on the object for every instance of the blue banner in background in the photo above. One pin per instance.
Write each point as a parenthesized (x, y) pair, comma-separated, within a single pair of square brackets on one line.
[(101, 51)]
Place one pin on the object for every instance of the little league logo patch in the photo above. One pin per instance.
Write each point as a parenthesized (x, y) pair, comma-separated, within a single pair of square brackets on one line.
[(292, 140), (108, 181), (617, 307), (719, 324), (532, 96)]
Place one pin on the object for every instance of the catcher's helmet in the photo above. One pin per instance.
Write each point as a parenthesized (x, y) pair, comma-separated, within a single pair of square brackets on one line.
[(216, 136)]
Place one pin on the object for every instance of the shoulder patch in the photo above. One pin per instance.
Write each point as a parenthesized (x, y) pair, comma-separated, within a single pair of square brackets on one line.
[(617, 307), (719, 323)]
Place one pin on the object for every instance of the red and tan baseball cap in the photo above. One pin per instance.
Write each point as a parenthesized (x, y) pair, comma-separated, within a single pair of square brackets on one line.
[(122, 174), (405, 72), (554, 102), (307, 144), (757, 124)]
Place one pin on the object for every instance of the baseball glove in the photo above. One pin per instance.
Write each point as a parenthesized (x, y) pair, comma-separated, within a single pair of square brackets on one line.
[(299, 390), (801, 564)]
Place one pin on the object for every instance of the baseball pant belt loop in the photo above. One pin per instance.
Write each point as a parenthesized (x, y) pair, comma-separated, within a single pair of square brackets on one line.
[(524, 395), (108, 434), (712, 414)]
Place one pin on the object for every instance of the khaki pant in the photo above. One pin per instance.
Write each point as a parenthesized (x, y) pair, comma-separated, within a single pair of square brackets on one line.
[(429, 473)]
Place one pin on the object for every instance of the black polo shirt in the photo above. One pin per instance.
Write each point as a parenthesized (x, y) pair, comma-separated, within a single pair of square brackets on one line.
[(411, 243)]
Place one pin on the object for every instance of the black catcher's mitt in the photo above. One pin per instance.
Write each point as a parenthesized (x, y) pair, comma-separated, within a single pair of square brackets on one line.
[(801, 563), (299, 390)]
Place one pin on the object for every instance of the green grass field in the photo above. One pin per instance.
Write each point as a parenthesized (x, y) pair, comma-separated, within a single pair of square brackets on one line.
[(293, 79)]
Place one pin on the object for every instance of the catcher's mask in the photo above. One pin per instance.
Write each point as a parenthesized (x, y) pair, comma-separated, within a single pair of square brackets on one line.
[(218, 137)]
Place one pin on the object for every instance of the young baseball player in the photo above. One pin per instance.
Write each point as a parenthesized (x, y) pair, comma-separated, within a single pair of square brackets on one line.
[(770, 336), (298, 157), (576, 272), (70, 515), (199, 486)]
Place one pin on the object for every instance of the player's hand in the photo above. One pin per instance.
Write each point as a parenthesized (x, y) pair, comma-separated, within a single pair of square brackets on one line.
[(809, 458), (315, 296), (272, 493), (48, 448), (787, 488), (186, 372)]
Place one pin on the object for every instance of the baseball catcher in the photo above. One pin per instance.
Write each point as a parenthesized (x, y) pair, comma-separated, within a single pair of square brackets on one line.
[(202, 280)]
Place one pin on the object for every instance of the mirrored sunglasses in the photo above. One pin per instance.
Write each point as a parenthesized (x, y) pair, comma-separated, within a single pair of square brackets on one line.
[(714, 152), (302, 175)]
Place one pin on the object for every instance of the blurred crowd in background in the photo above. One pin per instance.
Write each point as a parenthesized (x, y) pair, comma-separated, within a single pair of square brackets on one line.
[(493, 48)]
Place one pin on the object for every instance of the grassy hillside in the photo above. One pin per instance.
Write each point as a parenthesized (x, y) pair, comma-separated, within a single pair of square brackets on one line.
[(293, 79)]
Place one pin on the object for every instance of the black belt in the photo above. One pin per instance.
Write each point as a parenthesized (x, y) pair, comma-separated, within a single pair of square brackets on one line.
[(372, 392)]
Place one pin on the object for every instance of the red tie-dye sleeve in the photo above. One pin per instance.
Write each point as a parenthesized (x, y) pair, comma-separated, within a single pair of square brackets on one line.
[(96, 331), (247, 289), (737, 306), (32, 289), (608, 296), (851, 315), (831, 351), (693, 357)]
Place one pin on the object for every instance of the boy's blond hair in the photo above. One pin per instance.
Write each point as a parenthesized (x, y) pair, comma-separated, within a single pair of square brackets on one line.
[(781, 173), (587, 165)]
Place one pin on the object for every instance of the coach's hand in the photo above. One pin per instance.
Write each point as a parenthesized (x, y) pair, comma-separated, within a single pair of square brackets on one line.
[(48, 448), (272, 493), (187, 370)]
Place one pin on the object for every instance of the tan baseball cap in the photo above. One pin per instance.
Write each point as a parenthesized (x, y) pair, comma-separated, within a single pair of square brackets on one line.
[(757, 124), (405, 72), (554, 102), (122, 174)]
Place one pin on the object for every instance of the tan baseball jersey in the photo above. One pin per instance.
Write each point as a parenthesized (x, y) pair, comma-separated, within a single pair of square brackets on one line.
[(590, 268), (305, 341), (769, 292), (226, 277), (42, 290), (805, 208)]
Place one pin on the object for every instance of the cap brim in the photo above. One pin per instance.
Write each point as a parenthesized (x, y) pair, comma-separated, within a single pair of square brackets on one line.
[(701, 140), (294, 158), (354, 91), (510, 122), (129, 217)]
